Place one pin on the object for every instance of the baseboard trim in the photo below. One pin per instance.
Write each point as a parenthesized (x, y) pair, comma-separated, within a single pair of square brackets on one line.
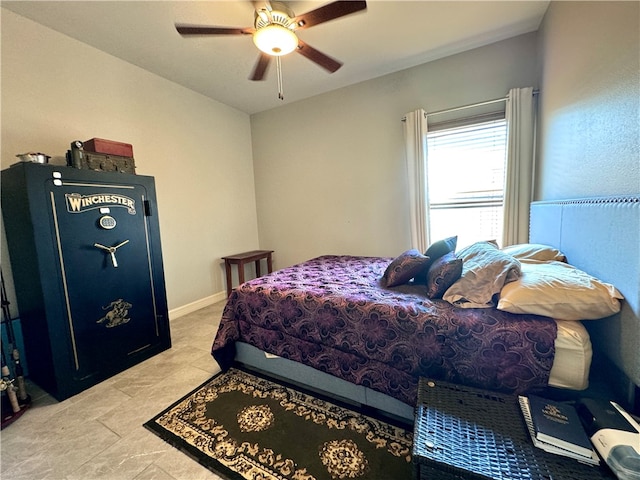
[(197, 305)]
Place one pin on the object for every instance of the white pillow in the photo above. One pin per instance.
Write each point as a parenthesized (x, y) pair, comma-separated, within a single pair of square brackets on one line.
[(534, 251), (559, 290)]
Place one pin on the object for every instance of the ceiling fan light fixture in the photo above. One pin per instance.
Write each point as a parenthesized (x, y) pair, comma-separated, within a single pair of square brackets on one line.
[(275, 40)]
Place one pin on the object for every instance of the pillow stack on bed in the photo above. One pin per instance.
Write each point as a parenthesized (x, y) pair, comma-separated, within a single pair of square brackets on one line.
[(521, 279)]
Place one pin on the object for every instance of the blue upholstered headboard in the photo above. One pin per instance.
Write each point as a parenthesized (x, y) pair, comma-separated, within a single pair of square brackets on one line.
[(601, 236)]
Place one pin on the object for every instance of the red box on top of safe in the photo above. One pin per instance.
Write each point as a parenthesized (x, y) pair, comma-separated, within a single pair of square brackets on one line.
[(108, 147)]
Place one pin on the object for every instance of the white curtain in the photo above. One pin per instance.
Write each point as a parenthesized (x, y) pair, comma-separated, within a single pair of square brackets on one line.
[(519, 176), (415, 136)]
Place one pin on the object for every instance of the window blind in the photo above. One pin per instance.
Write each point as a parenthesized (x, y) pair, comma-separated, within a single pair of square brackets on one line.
[(466, 168)]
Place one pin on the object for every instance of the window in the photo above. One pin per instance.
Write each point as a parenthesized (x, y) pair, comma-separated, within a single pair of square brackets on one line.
[(466, 171)]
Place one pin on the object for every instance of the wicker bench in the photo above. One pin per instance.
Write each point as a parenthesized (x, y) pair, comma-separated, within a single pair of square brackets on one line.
[(468, 433)]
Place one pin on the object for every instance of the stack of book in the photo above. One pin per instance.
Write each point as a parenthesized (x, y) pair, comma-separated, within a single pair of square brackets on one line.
[(556, 428)]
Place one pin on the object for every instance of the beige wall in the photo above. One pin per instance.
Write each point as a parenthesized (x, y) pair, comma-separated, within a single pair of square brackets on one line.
[(56, 90), (590, 100), (330, 171)]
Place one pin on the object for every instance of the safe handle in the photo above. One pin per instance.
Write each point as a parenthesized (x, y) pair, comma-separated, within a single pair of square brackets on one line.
[(111, 251)]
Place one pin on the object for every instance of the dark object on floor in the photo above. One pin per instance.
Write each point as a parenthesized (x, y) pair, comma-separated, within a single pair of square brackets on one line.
[(8, 415), (245, 426)]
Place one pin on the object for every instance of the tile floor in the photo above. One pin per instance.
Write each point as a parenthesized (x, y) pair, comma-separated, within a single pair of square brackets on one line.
[(98, 434)]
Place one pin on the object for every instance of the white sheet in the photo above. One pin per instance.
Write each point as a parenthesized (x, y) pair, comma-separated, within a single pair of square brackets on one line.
[(573, 356)]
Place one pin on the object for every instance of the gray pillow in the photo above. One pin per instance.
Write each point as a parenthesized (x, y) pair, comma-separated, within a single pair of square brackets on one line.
[(485, 270)]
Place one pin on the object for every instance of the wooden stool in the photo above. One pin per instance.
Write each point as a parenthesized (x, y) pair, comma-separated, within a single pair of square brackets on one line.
[(240, 259)]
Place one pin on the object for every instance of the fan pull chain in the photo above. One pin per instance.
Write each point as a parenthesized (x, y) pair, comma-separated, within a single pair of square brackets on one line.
[(279, 70)]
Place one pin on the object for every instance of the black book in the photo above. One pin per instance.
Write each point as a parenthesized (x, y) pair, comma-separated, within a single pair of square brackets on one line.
[(547, 447), (558, 424)]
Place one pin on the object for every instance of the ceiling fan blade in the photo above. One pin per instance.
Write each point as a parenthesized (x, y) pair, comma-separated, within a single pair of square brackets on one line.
[(260, 67), (328, 12), (318, 57), (204, 30)]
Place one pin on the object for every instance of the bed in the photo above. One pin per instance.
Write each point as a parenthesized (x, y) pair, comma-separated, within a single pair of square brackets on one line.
[(334, 324)]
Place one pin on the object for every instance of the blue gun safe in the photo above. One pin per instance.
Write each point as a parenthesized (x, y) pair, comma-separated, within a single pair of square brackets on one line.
[(87, 268)]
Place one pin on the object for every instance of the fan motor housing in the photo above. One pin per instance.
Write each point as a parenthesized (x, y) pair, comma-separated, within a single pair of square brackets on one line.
[(279, 14)]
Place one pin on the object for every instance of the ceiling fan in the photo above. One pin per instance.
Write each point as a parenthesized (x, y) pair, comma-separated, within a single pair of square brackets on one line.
[(274, 32)]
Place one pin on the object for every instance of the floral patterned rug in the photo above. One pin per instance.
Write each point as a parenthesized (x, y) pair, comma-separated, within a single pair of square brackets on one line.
[(242, 426)]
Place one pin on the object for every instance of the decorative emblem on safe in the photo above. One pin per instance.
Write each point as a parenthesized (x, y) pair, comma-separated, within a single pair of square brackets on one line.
[(116, 314), (77, 203)]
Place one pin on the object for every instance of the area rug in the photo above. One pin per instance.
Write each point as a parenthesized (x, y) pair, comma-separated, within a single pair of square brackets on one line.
[(242, 426)]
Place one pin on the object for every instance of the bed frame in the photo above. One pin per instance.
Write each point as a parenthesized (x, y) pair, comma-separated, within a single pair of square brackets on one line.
[(598, 235), (601, 235)]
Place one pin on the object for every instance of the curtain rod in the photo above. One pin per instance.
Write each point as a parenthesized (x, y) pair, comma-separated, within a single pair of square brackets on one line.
[(472, 105), (480, 104), (464, 107)]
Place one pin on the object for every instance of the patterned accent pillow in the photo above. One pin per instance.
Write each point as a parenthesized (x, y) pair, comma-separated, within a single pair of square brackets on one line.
[(442, 274), (435, 251), (404, 268)]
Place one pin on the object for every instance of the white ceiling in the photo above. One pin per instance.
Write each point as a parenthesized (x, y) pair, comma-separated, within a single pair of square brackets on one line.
[(387, 37)]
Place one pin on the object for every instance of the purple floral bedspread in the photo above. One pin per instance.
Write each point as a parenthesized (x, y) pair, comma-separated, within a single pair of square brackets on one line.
[(332, 313)]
